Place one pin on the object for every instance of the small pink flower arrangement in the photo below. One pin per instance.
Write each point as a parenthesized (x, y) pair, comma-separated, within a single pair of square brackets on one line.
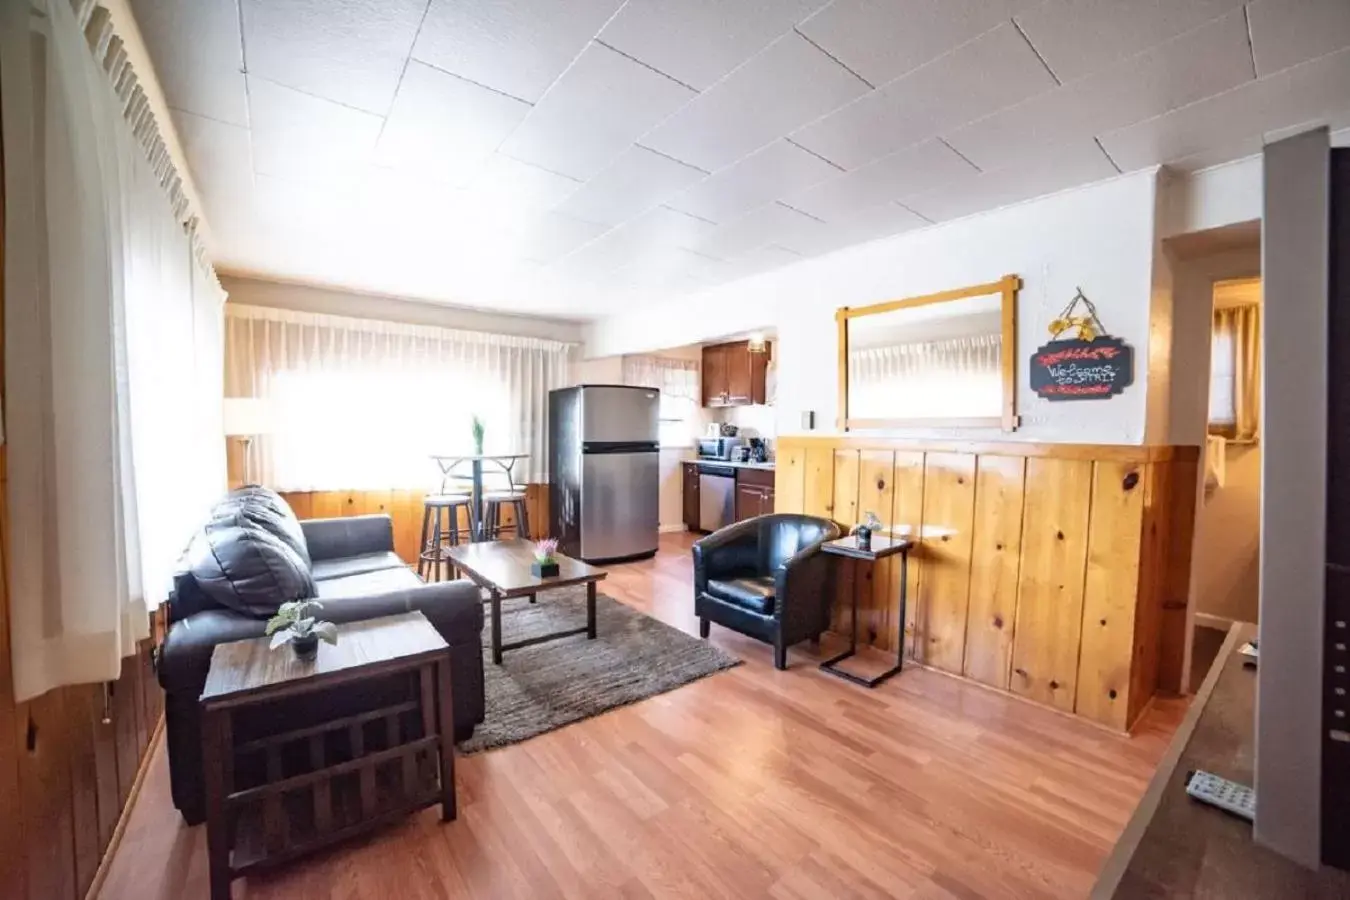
[(545, 566)]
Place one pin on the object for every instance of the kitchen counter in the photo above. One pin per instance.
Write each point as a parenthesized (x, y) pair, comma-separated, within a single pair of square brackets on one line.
[(765, 466)]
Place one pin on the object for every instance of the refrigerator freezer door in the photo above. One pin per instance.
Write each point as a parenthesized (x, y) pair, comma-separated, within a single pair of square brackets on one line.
[(620, 507), (619, 415)]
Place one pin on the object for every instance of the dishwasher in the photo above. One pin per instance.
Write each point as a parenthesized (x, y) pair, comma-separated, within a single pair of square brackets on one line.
[(716, 496)]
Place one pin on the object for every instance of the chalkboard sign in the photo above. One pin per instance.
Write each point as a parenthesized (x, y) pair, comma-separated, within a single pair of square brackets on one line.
[(1082, 370)]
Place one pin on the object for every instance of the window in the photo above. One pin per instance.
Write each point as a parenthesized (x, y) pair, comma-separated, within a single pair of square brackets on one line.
[(677, 380), (1234, 372)]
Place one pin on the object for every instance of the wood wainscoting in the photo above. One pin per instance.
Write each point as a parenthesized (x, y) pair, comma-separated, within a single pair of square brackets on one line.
[(405, 508), (1057, 572)]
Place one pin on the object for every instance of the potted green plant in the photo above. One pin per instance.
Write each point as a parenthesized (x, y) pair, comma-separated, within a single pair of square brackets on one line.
[(478, 430), (295, 624), (545, 565)]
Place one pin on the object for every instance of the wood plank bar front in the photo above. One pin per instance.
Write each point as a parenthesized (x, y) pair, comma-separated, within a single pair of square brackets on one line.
[(1056, 572)]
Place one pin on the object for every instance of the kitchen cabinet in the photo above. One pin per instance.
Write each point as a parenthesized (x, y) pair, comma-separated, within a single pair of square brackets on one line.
[(690, 496), (733, 375), (754, 493)]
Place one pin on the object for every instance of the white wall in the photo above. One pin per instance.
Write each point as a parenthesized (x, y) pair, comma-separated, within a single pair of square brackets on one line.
[(257, 292), (1100, 238), (1294, 262)]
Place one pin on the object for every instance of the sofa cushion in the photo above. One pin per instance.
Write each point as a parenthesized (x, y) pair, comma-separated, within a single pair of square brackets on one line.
[(343, 566), (243, 567), (268, 510), (752, 592), (363, 584)]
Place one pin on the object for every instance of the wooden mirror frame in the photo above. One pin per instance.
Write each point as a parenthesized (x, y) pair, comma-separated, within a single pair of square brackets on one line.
[(1007, 287)]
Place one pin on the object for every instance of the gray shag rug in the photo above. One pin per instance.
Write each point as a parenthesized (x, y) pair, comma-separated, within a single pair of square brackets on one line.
[(546, 686)]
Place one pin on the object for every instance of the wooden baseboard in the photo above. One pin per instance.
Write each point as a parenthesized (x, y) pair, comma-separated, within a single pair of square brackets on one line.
[(671, 529), (115, 841)]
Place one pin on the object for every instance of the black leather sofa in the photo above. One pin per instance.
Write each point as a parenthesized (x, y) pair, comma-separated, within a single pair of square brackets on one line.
[(766, 577), (251, 556)]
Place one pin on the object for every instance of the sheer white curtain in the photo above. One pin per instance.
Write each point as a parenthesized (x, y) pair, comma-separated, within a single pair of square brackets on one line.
[(103, 365), (677, 380), (358, 404), (952, 378)]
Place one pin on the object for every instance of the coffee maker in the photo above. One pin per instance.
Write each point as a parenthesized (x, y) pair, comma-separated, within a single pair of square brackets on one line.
[(758, 451)]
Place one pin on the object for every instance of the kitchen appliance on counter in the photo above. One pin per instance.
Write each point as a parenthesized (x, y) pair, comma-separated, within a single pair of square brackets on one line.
[(716, 496), (759, 450), (604, 471), (719, 448)]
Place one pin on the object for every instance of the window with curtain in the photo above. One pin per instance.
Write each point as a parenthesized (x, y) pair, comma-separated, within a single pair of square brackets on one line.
[(358, 404), (677, 380), (1234, 382), (113, 355), (951, 378)]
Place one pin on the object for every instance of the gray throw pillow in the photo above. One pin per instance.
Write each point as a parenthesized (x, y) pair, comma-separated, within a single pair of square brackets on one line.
[(245, 567)]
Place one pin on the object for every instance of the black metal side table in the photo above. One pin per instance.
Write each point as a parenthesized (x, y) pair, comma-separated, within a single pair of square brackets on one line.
[(880, 548)]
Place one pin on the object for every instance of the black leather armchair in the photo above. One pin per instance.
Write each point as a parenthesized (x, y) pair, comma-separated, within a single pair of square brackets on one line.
[(767, 578)]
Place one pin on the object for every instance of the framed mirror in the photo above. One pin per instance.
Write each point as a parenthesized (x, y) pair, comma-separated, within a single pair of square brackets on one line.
[(945, 360)]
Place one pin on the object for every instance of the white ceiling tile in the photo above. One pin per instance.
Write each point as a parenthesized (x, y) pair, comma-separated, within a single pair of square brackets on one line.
[(763, 259), (196, 51), (699, 41), (1072, 165), (995, 70), (593, 113), (1078, 37), (777, 170), (445, 127), (638, 180), (1285, 34), (519, 47), (1204, 61), (892, 177), (552, 236), (1305, 93), (863, 225), (350, 51), (785, 86), (220, 157), (772, 223), (298, 135), (650, 234), (883, 39), (518, 187)]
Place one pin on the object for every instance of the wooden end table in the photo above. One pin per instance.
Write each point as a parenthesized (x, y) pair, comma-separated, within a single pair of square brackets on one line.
[(503, 567), (881, 547), (276, 795)]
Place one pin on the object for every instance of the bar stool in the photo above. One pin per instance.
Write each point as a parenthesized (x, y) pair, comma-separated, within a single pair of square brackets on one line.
[(492, 513), (440, 528)]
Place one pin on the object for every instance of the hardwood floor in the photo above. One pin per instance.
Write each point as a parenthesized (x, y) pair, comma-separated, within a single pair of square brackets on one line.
[(750, 783)]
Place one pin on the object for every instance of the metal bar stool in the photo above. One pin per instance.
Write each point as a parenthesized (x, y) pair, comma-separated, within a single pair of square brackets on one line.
[(492, 513), (440, 528)]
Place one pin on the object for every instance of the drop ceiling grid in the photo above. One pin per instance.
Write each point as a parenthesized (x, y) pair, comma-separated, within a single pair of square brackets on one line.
[(790, 126)]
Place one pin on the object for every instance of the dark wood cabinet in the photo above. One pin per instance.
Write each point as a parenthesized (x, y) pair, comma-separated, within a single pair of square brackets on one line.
[(690, 496), (733, 375), (754, 493)]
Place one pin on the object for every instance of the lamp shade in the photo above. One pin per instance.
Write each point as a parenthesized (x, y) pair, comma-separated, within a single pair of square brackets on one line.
[(247, 416)]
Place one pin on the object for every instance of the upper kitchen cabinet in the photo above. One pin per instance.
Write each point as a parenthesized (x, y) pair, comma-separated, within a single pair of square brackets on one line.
[(735, 375)]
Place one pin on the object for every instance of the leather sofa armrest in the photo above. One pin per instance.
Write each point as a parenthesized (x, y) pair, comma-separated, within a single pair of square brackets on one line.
[(733, 548), (454, 608), (800, 584), (349, 536)]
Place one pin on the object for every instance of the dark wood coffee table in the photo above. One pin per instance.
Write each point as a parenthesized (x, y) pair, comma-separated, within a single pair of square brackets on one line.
[(276, 793), (503, 567)]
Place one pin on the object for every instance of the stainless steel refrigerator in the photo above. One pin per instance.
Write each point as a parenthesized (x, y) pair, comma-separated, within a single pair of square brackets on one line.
[(604, 471)]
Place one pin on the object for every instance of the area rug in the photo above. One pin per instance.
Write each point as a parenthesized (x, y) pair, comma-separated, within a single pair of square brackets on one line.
[(546, 686)]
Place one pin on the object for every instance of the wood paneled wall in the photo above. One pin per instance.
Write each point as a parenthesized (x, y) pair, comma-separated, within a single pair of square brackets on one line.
[(405, 508), (1056, 572), (68, 760)]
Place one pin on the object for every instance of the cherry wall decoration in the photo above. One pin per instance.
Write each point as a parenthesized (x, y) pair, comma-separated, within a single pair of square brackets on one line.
[(1091, 365)]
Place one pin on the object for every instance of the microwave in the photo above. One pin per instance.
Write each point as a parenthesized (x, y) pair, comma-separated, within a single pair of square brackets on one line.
[(722, 448)]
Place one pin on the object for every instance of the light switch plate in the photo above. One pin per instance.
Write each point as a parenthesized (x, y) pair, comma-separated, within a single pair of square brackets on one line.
[(808, 420)]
